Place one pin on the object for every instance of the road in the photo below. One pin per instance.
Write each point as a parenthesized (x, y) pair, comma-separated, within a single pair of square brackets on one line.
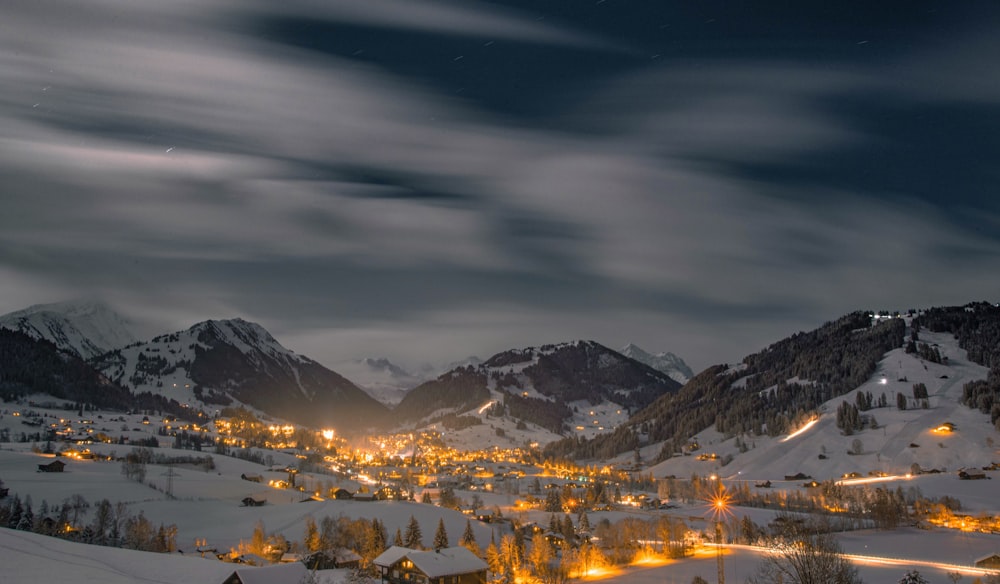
[(883, 561)]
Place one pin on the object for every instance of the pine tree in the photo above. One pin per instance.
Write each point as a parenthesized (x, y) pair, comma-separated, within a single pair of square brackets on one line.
[(398, 539), (440, 536), (27, 521), (493, 560), (379, 536), (413, 538), (16, 511), (469, 538), (584, 522), (311, 540), (567, 529), (913, 577)]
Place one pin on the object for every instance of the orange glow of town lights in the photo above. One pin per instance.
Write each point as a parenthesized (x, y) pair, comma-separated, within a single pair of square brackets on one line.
[(328, 434)]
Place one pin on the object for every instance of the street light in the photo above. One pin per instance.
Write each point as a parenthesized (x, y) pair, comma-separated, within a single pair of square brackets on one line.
[(720, 507)]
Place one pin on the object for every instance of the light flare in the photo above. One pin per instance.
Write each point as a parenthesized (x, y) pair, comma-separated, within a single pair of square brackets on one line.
[(801, 430)]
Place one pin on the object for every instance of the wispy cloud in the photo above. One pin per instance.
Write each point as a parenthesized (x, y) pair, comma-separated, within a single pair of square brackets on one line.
[(168, 156)]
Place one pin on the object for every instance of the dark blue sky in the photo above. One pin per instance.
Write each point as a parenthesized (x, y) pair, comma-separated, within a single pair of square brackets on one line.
[(425, 180)]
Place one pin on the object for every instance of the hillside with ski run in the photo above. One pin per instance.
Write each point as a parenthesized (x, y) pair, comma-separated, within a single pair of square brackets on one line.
[(581, 388)]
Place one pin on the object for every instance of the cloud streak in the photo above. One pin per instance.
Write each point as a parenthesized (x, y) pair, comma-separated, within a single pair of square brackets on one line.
[(172, 158)]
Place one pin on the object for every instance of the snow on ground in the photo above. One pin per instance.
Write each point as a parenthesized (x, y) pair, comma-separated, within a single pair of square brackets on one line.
[(28, 558), (903, 438), (205, 503)]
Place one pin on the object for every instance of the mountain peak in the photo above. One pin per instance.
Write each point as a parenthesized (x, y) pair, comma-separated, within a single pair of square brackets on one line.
[(85, 327), (665, 362)]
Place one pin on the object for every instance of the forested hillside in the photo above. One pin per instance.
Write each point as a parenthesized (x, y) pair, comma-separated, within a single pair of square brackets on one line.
[(762, 395), (977, 328), (29, 366)]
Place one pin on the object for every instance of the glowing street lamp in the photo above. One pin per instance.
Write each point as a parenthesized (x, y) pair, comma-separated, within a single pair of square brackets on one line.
[(719, 507)]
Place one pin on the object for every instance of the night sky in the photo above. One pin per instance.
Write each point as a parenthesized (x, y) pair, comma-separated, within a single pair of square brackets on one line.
[(425, 180)]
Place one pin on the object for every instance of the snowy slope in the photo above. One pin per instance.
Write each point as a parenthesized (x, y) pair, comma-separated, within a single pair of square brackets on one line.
[(224, 362), (666, 362), (28, 558), (903, 437), (536, 395), (86, 328)]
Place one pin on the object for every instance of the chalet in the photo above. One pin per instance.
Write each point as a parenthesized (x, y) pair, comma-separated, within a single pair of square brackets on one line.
[(989, 562), (364, 497), (54, 466), (331, 560), (292, 573), (254, 501), (797, 477), (389, 493), (972, 475), (340, 493), (253, 478), (453, 565)]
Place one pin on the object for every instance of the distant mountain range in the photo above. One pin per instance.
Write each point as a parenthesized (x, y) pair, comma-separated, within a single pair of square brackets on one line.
[(667, 363), (381, 378), (220, 363), (85, 328)]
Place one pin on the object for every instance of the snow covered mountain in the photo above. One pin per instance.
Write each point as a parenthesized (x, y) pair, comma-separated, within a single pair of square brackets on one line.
[(380, 378), (891, 441), (668, 363), (580, 387), (229, 362), (85, 328)]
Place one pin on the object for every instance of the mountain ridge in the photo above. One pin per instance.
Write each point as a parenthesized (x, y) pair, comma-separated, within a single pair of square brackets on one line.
[(234, 361), (86, 328)]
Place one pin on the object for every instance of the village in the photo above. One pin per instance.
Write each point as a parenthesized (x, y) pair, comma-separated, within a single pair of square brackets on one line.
[(370, 506)]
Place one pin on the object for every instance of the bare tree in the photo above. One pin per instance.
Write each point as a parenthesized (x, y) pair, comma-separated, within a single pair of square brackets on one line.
[(806, 558)]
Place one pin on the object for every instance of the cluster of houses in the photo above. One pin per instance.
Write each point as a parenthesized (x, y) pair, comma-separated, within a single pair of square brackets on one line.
[(396, 565)]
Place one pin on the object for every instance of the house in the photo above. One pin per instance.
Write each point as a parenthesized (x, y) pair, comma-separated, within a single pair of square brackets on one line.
[(293, 573), (989, 562), (797, 476), (254, 478), (54, 466), (253, 502), (340, 493), (973, 475), (331, 560), (453, 565)]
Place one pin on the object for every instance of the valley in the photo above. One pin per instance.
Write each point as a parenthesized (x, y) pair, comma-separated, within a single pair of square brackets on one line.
[(906, 482)]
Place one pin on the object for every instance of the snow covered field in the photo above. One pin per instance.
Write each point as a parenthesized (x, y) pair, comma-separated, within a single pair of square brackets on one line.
[(205, 504)]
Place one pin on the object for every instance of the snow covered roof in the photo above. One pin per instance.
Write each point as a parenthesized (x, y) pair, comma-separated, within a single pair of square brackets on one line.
[(391, 556), (292, 573), (434, 564)]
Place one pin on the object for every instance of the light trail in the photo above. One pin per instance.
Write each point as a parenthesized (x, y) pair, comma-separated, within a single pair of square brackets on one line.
[(868, 480), (882, 561), (487, 406), (801, 430)]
